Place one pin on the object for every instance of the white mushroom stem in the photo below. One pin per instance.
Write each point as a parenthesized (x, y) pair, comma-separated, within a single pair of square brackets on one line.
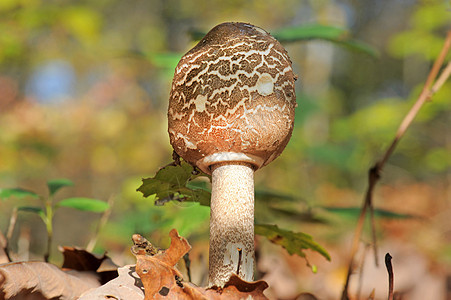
[(231, 223)]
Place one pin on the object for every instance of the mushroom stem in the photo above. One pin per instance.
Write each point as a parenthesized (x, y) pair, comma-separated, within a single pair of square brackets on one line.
[(231, 223)]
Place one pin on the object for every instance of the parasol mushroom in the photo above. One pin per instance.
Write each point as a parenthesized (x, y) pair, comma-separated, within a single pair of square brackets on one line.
[(231, 112)]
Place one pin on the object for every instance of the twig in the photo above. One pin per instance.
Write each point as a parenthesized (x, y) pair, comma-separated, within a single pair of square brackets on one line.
[(373, 177), (103, 220), (375, 171), (390, 275), (362, 263), (9, 233), (12, 224), (4, 246), (187, 261), (442, 79), (425, 95), (373, 225)]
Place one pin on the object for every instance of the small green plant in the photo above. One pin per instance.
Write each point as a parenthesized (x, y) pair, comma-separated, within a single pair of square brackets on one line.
[(48, 208)]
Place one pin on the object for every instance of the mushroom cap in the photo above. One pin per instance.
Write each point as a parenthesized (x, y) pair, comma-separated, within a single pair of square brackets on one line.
[(232, 98)]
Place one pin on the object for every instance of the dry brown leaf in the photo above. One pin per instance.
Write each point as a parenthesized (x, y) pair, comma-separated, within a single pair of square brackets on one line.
[(156, 275), (157, 272), (127, 286), (21, 279), (82, 260), (161, 280)]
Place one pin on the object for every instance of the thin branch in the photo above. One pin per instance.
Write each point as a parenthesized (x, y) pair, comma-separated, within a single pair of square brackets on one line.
[(4, 246), (373, 177), (12, 224), (103, 220), (373, 224), (425, 95), (9, 233), (390, 275), (375, 171), (187, 261), (362, 264), (442, 79)]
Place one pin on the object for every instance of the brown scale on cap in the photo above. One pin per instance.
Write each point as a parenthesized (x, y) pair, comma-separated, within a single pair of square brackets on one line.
[(232, 98)]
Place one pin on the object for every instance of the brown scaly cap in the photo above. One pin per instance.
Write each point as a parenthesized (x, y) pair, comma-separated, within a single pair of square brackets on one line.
[(232, 98)]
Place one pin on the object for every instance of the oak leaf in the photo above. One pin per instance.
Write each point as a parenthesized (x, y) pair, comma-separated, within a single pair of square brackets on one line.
[(161, 280), (43, 280), (82, 260)]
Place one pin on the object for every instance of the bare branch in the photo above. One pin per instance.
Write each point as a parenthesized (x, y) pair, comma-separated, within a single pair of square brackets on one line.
[(103, 220), (424, 96), (375, 171)]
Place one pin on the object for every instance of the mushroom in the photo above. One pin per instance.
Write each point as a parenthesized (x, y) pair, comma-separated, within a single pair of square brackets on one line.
[(231, 112)]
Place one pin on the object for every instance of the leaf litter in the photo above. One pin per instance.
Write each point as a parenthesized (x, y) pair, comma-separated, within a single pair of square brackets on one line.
[(155, 276), (161, 280)]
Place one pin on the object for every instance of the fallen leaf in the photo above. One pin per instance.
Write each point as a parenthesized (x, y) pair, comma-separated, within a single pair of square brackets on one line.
[(126, 286), (142, 246), (23, 279), (155, 277), (82, 260), (179, 247), (157, 272), (161, 280)]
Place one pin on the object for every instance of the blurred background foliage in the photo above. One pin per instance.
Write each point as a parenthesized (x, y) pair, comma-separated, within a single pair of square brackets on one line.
[(84, 87)]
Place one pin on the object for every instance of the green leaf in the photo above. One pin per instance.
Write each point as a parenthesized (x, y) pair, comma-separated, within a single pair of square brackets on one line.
[(359, 46), (354, 212), (17, 192), (85, 204), (33, 209), (295, 215), (198, 184), (293, 242), (56, 184), (171, 183), (332, 34), (272, 196), (329, 33), (311, 31)]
